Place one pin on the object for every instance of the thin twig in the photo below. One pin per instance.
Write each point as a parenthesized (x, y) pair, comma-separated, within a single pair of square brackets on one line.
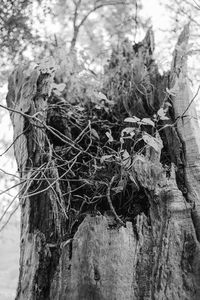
[(23, 132), (110, 202), (12, 213), (8, 206), (191, 101)]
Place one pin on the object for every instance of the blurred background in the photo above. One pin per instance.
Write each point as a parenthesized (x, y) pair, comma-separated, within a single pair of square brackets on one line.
[(31, 30)]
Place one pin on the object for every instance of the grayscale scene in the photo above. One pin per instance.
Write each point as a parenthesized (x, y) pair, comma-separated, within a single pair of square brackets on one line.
[(100, 150)]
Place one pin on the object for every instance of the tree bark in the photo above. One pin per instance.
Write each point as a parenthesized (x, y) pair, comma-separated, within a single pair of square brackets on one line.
[(156, 254)]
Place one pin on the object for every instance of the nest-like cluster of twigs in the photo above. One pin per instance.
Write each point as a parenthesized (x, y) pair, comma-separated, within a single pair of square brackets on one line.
[(94, 172), (100, 140)]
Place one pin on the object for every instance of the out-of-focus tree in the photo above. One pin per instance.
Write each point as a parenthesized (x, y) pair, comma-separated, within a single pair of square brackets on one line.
[(15, 31), (99, 21), (41, 26)]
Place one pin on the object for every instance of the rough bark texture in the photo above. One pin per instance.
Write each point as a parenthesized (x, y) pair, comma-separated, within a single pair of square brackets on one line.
[(156, 255)]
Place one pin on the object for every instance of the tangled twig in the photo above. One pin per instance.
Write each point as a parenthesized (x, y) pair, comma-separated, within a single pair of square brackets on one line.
[(110, 202)]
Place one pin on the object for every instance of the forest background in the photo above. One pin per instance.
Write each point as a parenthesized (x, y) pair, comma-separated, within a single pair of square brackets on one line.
[(31, 31)]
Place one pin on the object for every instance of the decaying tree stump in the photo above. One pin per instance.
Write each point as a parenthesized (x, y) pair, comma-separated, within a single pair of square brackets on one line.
[(106, 213)]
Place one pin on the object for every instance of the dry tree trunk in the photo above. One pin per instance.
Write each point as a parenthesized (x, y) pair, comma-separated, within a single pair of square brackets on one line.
[(68, 252)]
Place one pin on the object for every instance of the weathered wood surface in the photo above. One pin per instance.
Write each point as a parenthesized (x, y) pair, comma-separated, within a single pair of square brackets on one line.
[(159, 260), (187, 123), (157, 257)]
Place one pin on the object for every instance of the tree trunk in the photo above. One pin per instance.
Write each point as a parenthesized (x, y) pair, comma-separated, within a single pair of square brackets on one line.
[(75, 246)]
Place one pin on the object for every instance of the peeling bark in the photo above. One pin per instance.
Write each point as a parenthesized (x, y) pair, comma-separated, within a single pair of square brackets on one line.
[(156, 255)]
